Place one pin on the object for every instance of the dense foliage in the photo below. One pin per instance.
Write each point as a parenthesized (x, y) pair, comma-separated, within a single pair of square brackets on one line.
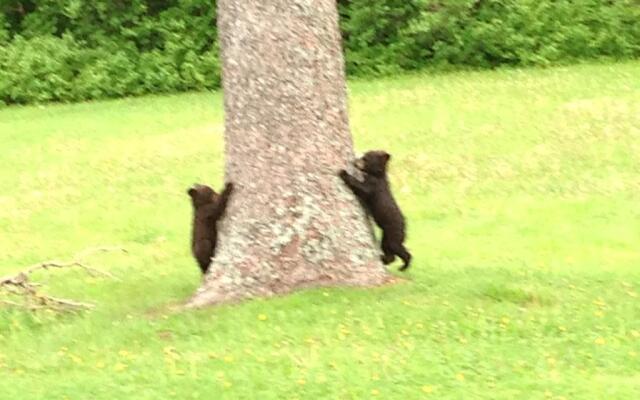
[(73, 49)]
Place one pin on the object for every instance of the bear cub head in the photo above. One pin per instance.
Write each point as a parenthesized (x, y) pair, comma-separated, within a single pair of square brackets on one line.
[(373, 163), (201, 195)]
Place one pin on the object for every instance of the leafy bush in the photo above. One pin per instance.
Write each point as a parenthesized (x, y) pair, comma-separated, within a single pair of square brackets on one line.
[(68, 50), (489, 33), (373, 32), (37, 70)]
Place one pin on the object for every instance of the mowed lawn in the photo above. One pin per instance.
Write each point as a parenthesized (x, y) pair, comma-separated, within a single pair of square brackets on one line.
[(522, 193)]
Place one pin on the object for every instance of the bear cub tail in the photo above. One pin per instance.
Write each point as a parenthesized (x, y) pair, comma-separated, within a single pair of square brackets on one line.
[(374, 193)]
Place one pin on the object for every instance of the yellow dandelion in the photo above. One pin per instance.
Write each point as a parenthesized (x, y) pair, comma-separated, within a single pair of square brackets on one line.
[(262, 317), (599, 302), (460, 377), (632, 294), (119, 367), (548, 393), (427, 389), (124, 353), (302, 382), (551, 361), (562, 329), (600, 341), (228, 359), (635, 334), (405, 332), (633, 353), (419, 325), (75, 359), (99, 365), (375, 377), (375, 392), (598, 314), (325, 294), (505, 320), (228, 384)]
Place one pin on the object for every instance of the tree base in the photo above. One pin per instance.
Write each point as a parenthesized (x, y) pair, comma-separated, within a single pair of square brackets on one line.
[(222, 289)]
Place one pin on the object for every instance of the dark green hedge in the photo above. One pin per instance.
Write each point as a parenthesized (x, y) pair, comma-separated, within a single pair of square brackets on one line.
[(68, 50)]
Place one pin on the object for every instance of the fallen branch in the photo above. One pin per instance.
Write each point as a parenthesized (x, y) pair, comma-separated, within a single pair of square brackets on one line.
[(20, 285)]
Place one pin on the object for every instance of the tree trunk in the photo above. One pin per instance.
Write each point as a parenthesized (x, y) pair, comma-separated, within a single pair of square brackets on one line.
[(290, 223)]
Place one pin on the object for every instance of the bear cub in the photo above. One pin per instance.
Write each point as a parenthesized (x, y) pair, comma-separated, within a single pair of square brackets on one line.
[(375, 194), (208, 208)]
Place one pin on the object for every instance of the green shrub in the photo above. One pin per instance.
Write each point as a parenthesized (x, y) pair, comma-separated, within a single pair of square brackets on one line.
[(373, 32), (489, 33), (120, 48), (107, 74), (67, 50), (4, 31), (38, 69)]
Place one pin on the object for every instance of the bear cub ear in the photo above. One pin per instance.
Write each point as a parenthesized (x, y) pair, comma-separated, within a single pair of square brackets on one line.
[(192, 192), (386, 156)]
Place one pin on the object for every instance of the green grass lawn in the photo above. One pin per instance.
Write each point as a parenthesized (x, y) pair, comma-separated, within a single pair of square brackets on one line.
[(522, 192)]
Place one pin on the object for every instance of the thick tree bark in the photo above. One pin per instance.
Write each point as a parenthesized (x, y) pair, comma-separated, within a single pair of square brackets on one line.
[(290, 223)]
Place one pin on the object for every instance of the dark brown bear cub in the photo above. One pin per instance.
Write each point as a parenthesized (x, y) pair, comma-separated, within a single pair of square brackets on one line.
[(208, 208), (375, 194)]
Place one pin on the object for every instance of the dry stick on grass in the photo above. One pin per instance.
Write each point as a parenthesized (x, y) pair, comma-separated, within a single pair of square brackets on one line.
[(20, 284)]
